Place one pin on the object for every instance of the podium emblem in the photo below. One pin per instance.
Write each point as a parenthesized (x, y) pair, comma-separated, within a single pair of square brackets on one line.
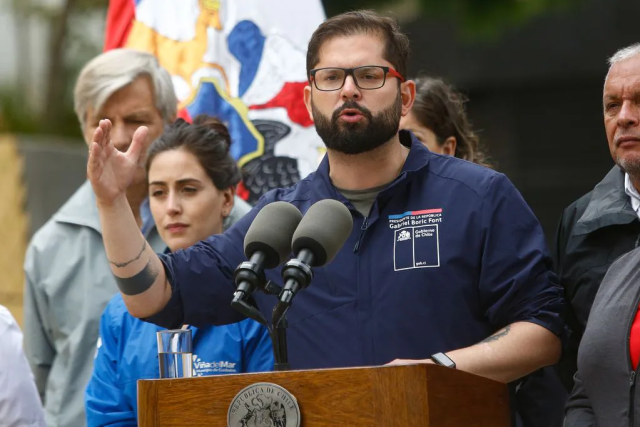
[(264, 405)]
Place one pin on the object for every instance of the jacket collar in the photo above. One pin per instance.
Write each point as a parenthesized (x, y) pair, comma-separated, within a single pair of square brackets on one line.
[(80, 209), (417, 159), (609, 205)]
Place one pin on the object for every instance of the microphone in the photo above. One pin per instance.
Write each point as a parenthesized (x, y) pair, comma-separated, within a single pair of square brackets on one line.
[(267, 244), (321, 234)]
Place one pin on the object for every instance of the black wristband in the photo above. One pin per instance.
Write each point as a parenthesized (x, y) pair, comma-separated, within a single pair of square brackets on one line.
[(138, 283)]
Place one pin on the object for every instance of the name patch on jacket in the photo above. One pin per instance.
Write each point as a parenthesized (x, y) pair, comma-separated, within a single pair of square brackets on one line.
[(416, 241)]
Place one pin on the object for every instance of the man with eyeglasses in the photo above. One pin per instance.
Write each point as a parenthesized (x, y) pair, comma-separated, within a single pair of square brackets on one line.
[(445, 264)]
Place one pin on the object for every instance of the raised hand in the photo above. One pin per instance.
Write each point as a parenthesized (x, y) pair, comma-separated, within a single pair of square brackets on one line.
[(109, 170)]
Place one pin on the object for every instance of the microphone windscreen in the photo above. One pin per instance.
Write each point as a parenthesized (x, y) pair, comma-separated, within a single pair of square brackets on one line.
[(324, 229), (271, 232)]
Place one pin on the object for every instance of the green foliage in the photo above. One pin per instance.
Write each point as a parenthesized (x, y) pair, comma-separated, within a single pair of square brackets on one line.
[(490, 17), (17, 115), (476, 18)]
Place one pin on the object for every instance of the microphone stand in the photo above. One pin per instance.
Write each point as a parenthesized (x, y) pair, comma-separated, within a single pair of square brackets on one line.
[(280, 341), (278, 329), (278, 333), (297, 274)]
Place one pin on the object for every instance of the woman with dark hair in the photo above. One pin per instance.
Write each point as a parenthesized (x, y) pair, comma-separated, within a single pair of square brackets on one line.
[(438, 119), (192, 179), (206, 142)]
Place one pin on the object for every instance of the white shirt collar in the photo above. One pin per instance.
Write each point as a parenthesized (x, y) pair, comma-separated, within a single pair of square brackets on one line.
[(632, 192)]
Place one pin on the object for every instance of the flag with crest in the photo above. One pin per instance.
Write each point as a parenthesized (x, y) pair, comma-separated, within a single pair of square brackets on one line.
[(242, 61)]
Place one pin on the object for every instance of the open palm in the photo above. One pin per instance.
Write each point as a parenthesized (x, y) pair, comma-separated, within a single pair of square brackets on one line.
[(109, 170)]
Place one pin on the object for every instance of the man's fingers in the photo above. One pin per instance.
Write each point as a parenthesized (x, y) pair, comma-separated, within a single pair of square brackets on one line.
[(97, 136), (94, 158), (105, 125), (139, 139)]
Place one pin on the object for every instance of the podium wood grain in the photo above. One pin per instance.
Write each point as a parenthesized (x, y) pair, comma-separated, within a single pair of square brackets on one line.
[(389, 396)]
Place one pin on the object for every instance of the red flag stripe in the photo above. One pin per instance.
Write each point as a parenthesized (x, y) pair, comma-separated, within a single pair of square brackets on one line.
[(120, 18)]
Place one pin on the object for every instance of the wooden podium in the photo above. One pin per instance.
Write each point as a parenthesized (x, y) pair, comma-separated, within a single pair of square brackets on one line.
[(389, 396)]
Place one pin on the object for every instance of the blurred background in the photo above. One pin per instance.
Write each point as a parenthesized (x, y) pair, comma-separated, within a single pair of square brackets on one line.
[(533, 71)]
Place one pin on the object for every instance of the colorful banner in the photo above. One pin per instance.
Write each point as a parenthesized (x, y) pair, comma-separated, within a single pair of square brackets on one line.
[(242, 61)]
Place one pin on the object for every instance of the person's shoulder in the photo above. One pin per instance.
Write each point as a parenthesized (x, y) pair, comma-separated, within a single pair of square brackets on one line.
[(113, 315), (68, 222), (51, 235), (52, 246), (626, 266), (575, 210), (240, 206), (61, 246), (301, 191), (121, 325), (116, 305), (4, 313), (240, 209), (6, 319), (461, 172), (250, 328), (116, 313)]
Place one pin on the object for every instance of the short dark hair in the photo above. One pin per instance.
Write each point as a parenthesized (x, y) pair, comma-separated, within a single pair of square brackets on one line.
[(396, 49), (207, 139), (440, 108)]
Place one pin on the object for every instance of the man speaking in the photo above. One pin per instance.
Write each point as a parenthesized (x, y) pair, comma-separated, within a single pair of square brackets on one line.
[(445, 261)]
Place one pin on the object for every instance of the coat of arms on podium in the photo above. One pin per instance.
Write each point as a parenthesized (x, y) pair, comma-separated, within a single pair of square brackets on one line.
[(264, 405)]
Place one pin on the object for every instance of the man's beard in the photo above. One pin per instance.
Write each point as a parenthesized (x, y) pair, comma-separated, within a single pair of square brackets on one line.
[(362, 136)]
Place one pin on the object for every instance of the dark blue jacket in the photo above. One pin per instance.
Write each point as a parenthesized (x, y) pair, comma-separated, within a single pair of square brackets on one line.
[(449, 254), (127, 352)]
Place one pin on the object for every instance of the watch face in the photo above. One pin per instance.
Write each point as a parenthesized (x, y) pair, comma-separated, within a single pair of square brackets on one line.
[(443, 359)]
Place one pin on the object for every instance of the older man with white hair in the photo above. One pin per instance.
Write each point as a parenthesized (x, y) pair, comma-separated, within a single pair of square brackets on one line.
[(68, 279), (604, 224)]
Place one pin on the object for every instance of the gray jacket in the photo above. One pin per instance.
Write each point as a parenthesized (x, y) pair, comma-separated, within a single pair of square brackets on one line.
[(68, 284), (605, 392)]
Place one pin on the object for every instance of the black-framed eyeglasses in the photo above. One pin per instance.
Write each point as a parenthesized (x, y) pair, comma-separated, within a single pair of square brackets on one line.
[(367, 77)]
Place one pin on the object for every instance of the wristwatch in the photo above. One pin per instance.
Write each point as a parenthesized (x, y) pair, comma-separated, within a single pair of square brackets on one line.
[(443, 360)]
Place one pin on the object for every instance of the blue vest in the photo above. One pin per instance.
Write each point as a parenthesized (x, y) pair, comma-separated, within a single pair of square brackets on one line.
[(127, 352)]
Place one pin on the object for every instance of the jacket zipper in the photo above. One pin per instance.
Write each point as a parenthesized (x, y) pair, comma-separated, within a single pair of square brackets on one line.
[(365, 224)]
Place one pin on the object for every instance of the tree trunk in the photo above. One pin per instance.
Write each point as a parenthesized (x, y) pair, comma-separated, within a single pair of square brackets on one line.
[(23, 47), (56, 75)]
